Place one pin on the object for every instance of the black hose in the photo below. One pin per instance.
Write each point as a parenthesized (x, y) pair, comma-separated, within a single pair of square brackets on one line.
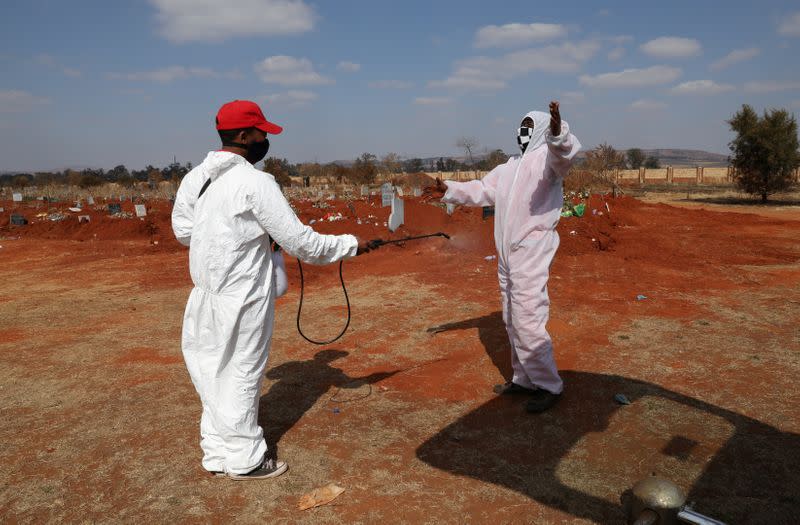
[(300, 307)]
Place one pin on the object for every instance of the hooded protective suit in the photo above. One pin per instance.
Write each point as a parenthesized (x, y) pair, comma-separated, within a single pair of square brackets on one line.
[(527, 194), (227, 325)]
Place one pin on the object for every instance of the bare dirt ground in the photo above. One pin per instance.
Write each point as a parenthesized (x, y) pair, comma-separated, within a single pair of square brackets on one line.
[(100, 419)]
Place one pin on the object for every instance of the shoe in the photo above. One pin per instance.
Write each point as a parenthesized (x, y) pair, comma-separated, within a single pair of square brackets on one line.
[(269, 469), (216, 473), (508, 389), (541, 401)]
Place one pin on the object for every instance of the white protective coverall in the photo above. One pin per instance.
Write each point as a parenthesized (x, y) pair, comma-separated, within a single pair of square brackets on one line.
[(527, 194), (227, 326)]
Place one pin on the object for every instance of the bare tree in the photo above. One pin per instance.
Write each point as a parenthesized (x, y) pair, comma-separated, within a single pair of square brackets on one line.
[(390, 163), (468, 144)]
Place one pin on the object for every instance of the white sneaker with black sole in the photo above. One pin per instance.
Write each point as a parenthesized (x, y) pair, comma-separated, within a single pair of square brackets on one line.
[(269, 469)]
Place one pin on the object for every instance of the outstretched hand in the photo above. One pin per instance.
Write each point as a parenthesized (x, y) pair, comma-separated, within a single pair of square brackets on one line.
[(555, 118)]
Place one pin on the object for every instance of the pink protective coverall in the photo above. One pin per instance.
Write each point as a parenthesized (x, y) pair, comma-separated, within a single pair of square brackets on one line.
[(527, 194)]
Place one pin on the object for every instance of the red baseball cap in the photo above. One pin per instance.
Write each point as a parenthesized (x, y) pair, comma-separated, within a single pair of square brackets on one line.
[(241, 114)]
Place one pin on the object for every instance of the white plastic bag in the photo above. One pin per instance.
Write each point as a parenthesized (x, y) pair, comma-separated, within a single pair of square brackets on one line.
[(279, 267)]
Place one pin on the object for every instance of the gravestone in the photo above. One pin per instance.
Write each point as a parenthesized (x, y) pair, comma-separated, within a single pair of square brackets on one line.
[(16, 197), (417, 192), (364, 191), (141, 210), (397, 216), (90, 200), (386, 195), (114, 208), (83, 218), (450, 208)]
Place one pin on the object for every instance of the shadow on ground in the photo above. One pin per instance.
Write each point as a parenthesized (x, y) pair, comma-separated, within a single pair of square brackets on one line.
[(299, 385), (753, 477)]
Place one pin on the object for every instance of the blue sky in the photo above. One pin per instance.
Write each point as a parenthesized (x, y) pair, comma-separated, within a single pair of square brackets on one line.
[(90, 83)]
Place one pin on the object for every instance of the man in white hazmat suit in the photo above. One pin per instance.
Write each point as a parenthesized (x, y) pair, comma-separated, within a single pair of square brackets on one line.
[(226, 211), (527, 194)]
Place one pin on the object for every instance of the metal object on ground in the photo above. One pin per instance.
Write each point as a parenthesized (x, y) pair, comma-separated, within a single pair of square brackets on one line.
[(657, 501)]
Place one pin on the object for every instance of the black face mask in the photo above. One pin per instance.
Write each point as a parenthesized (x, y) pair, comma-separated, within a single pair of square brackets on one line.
[(256, 151)]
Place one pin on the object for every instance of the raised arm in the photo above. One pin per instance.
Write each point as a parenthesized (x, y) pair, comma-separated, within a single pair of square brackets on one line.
[(561, 144), (276, 216)]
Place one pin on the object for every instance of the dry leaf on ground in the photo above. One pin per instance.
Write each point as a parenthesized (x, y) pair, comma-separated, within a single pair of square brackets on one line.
[(320, 496)]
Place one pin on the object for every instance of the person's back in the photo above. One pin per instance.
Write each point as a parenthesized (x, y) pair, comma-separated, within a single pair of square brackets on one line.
[(229, 248), (226, 211)]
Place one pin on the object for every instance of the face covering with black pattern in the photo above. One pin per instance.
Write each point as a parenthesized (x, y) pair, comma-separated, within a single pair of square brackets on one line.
[(524, 135)]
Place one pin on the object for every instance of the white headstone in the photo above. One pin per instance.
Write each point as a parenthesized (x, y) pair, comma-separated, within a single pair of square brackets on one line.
[(141, 210), (417, 192), (398, 190), (397, 216), (386, 194), (90, 200), (2, 209), (450, 208), (84, 218), (16, 197), (364, 191)]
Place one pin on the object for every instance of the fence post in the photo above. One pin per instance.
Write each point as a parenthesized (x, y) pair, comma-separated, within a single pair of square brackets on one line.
[(698, 175), (670, 174)]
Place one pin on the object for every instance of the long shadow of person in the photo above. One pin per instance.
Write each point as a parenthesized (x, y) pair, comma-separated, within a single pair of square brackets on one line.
[(580, 455), (299, 385)]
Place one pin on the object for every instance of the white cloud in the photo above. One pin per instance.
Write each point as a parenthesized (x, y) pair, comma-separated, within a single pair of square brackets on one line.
[(493, 73), (701, 87), (650, 76), (770, 86), (790, 26), (734, 57), (510, 35), (573, 97), (616, 53), (647, 105), (289, 71), (672, 47), (214, 21), (348, 67), (391, 84), (291, 99), (432, 101), (50, 62), (15, 101), (169, 74)]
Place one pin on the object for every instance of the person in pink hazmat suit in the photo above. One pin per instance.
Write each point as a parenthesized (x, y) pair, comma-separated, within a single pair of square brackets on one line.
[(527, 194)]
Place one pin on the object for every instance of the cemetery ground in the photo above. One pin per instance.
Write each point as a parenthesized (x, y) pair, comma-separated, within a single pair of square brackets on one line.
[(689, 312)]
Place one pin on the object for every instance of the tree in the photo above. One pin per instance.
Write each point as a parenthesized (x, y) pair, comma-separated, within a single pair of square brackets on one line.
[(364, 169), (765, 151), (280, 169), (603, 162), (468, 144), (117, 172), (495, 158), (652, 163), (635, 158), (390, 163), (414, 166)]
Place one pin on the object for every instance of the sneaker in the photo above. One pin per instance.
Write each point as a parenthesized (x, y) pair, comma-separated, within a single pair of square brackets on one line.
[(508, 389), (541, 401), (269, 469)]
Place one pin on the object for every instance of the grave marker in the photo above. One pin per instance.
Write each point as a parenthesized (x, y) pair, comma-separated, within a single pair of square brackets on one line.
[(386, 195), (90, 200), (450, 208), (397, 216), (141, 210), (16, 197), (114, 208)]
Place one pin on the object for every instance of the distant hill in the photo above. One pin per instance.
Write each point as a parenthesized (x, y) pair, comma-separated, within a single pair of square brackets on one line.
[(667, 157), (688, 157)]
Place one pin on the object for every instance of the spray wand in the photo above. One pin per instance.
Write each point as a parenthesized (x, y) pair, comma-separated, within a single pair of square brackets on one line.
[(375, 243)]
